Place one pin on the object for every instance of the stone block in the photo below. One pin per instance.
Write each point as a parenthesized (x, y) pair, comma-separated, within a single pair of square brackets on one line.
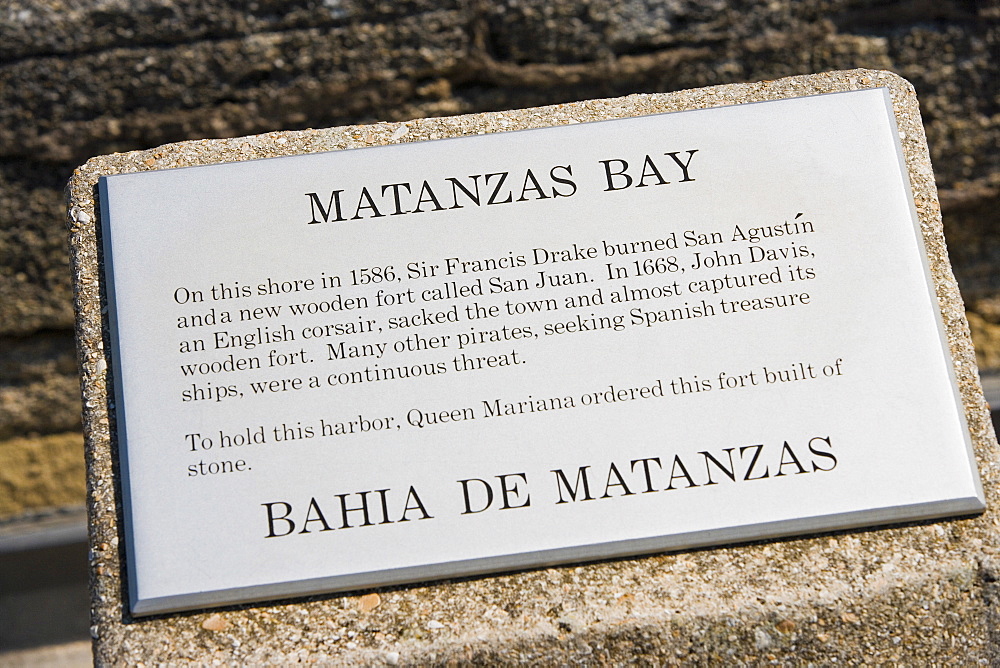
[(919, 593), (40, 390), (41, 473)]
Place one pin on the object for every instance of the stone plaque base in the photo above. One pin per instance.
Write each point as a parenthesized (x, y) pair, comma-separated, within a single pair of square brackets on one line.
[(922, 590)]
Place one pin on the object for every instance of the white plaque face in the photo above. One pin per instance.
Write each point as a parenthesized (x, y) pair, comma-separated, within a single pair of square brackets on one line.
[(385, 365)]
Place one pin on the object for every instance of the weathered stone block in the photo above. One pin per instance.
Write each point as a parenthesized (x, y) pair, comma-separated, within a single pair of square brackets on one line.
[(918, 593), (40, 390), (41, 473)]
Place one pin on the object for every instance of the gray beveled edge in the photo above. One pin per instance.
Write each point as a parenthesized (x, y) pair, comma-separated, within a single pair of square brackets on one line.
[(545, 558)]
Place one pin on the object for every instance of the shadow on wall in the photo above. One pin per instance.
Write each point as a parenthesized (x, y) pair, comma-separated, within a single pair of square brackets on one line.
[(43, 597)]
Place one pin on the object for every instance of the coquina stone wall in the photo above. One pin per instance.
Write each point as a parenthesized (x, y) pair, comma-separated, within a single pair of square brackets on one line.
[(96, 76)]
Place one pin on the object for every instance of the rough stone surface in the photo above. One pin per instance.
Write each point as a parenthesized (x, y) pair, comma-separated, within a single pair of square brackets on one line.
[(40, 393), (923, 593), (97, 76), (40, 472)]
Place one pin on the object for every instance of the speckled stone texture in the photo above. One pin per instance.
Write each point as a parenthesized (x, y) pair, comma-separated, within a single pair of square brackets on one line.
[(924, 593)]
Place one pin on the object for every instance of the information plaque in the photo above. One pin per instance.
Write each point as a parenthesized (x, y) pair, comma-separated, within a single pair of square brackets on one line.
[(433, 359)]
